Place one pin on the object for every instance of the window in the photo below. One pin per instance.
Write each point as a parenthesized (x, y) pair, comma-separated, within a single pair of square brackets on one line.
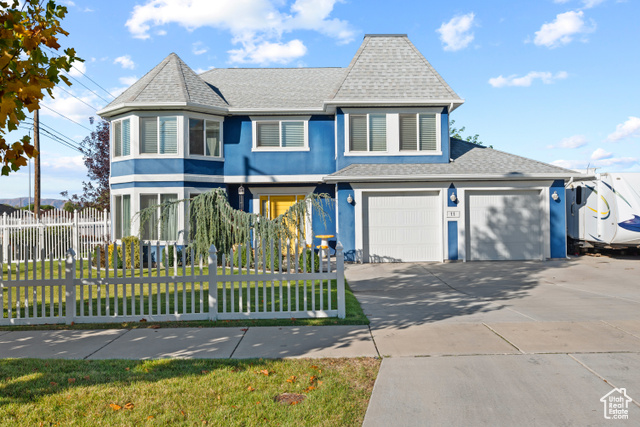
[(122, 220), (168, 228), (204, 137), (159, 135), (368, 132), (280, 134), (418, 132), (121, 138)]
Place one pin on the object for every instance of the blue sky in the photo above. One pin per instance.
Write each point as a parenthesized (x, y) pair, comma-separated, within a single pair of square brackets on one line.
[(553, 80)]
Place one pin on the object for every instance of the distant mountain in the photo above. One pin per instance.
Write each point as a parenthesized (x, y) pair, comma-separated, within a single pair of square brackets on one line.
[(24, 201)]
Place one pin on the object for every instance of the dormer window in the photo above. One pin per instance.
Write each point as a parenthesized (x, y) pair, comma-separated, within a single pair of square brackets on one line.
[(121, 138), (158, 135), (418, 132), (280, 134)]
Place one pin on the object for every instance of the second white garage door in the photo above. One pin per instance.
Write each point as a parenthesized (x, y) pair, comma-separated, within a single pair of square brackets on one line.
[(402, 227), (504, 225)]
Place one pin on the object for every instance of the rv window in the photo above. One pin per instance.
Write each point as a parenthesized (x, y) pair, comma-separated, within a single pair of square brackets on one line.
[(579, 195)]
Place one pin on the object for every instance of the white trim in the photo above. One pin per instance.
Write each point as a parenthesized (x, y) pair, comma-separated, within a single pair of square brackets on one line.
[(239, 179), (444, 177), (255, 120), (179, 140)]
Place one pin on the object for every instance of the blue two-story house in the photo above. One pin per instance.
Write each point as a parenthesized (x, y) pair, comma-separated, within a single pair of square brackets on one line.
[(374, 135)]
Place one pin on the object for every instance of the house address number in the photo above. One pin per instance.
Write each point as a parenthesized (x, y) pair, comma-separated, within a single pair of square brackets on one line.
[(453, 214)]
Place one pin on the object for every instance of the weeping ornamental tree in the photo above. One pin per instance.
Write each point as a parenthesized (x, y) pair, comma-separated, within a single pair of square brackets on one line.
[(212, 220)]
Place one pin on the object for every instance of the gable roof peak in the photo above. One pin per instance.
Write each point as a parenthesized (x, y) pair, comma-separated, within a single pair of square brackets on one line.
[(388, 67)]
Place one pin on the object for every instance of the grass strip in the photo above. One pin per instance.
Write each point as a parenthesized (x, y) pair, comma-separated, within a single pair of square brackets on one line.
[(185, 392)]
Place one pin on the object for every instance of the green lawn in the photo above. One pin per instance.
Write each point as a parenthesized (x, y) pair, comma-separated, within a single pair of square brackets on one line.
[(177, 296), (185, 392)]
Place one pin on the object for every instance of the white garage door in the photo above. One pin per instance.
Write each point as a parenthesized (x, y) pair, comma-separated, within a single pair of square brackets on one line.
[(402, 227), (504, 225)]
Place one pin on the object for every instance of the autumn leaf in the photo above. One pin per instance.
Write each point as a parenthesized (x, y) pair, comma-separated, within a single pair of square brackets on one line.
[(312, 379), (129, 406), (205, 372), (265, 372), (53, 383), (308, 389), (71, 380), (251, 388), (115, 407), (150, 417), (292, 379)]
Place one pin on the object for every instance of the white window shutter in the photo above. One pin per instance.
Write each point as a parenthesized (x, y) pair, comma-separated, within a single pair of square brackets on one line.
[(378, 132), (293, 134), (428, 137), (358, 132)]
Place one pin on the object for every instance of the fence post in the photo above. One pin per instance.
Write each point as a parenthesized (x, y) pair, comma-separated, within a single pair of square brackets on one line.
[(5, 237), (76, 232), (106, 231), (70, 286), (342, 312), (213, 283)]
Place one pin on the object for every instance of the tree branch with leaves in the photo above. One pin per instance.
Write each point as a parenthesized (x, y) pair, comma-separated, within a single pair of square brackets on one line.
[(27, 70)]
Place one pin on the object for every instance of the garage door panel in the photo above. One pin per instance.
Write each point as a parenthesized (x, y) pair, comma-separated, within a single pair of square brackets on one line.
[(505, 225), (402, 227)]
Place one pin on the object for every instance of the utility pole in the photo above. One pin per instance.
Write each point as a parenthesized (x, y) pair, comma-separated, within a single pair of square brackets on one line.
[(36, 164)]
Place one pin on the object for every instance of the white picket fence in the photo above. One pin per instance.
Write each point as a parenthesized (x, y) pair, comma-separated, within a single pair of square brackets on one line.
[(254, 288), (23, 237)]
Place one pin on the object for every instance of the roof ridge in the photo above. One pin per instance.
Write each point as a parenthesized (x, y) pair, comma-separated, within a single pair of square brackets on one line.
[(151, 77), (350, 67), (433, 70), (183, 81)]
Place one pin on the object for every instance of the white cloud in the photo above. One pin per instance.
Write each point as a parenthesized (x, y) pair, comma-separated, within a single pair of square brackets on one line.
[(563, 30), (203, 70), (128, 80), (125, 61), (267, 52), (198, 48), (254, 24), (630, 128), (588, 4), (456, 34), (526, 81), (561, 1), (571, 164), (601, 154), (76, 108), (572, 142), (617, 163), (57, 162), (78, 69)]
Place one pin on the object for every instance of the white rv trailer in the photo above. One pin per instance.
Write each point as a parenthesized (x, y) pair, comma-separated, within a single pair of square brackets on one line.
[(605, 211)]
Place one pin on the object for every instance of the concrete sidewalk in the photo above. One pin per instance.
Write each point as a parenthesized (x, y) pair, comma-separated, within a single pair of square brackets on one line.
[(203, 343)]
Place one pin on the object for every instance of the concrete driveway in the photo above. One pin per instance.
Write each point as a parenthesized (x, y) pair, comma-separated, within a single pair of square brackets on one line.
[(526, 343)]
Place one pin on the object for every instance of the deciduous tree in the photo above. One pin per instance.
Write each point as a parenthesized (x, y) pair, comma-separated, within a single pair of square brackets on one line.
[(95, 149), (28, 35)]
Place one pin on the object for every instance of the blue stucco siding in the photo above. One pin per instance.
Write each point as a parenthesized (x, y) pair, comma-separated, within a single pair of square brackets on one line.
[(346, 221), (166, 166), (242, 161), (558, 226), (452, 239), (343, 161), (328, 226)]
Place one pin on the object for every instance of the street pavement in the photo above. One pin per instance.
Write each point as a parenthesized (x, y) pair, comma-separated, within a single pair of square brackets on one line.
[(502, 343)]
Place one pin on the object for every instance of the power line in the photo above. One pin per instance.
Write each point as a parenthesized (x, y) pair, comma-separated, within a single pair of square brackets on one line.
[(84, 74), (62, 115), (54, 138), (85, 103), (85, 86), (50, 128)]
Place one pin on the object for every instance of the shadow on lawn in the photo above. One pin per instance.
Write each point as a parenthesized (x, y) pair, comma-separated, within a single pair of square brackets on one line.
[(404, 295)]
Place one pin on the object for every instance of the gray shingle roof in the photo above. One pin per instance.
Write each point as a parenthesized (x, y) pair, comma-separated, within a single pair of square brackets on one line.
[(469, 159), (390, 67), (273, 88), (170, 81)]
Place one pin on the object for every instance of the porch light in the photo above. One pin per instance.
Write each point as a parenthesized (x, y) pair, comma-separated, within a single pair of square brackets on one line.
[(555, 196), (453, 197), (241, 197), (349, 199)]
